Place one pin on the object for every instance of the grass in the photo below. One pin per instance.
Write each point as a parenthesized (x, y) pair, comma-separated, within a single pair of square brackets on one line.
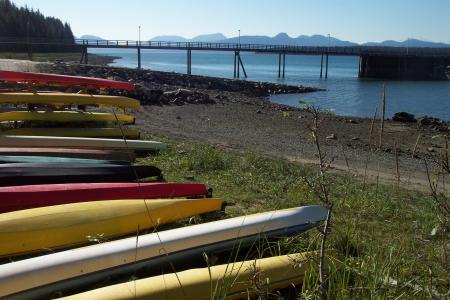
[(381, 240)]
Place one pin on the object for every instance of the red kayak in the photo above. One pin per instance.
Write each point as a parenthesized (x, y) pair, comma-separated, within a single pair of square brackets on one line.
[(14, 198), (64, 80)]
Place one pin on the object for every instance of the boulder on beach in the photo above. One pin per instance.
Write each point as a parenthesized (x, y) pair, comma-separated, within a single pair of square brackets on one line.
[(404, 117)]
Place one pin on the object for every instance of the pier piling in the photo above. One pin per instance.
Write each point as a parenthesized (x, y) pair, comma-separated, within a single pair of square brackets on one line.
[(139, 57), (235, 61), (321, 65), (242, 65), (326, 66), (279, 65), (84, 56), (189, 61)]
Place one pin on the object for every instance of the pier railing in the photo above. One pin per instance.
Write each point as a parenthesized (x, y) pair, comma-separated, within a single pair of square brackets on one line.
[(245, 47), (340, 50)]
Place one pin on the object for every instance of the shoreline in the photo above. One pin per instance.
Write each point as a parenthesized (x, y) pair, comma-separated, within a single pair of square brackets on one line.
[(237, 116), (316, 89)]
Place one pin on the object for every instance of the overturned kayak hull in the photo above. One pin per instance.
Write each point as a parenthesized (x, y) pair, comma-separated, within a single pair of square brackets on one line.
[(26, 174), (32, 196), (230, 281), (66, 99), (64, 80), (64, 117), (40, 276), (8, 159), (47, 228), (75, 142), (117, 133), (127, 155)]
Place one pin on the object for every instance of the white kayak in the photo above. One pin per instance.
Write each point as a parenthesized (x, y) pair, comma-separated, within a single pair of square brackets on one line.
[(39, 277), (77, 142)]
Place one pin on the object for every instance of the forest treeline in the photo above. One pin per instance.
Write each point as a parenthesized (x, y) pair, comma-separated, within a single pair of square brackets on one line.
[(22, 22)]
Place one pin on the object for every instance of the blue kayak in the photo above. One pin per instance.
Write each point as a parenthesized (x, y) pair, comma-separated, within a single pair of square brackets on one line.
[(9, 159)]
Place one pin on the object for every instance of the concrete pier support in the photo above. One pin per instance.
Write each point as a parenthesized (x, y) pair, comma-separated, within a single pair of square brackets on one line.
[(284, 63), (326, 66), (403, 67)]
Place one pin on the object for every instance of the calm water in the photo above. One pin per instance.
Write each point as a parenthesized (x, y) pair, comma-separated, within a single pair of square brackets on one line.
[(345, 93)]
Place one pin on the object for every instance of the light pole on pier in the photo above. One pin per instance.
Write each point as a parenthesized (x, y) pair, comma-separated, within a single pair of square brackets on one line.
[(139, 38), (239, 37)]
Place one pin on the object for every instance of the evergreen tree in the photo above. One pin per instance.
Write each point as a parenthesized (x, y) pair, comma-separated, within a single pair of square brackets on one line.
[(24, 23)]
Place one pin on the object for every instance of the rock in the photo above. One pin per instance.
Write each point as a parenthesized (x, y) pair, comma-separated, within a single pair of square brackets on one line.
[(331, 137), (404, 117), (258, 111), (178, 118), (434, 123), (351, 121), (430, 149), (355, 138)]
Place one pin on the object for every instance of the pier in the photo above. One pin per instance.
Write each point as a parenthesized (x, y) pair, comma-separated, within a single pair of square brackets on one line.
[(374, 62)]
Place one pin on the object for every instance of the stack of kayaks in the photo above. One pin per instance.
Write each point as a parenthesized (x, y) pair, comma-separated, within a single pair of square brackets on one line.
[(77, 214), (47, 113), (54, 137)]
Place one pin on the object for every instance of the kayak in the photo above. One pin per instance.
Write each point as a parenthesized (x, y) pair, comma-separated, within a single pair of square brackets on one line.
[(228, 281), (116, 132), (128, 155), (68, 99), (32, 196), (64, 116), (76, 142), (39, 277), (64, 80), (47, 228), (32, 173), (8, 159)]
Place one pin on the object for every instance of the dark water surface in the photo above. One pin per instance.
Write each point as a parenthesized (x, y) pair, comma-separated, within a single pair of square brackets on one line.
[(345, 94)]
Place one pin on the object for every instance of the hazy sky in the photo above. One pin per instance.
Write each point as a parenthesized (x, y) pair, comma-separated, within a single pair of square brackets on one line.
[(354, 20)]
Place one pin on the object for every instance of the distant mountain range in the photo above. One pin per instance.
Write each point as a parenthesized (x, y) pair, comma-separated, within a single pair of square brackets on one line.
[(90, 37), (284, 39), (215, 37)]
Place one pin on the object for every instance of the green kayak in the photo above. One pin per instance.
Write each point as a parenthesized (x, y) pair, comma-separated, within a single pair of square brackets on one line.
[(9, 159)]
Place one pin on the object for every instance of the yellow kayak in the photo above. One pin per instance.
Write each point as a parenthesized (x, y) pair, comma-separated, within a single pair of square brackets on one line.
[(64, 116), (66, 99), (115, 132), (44, 228), (232, 281)]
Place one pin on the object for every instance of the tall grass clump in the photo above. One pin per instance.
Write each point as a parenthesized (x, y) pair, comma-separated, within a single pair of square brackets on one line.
[(381, 244)]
